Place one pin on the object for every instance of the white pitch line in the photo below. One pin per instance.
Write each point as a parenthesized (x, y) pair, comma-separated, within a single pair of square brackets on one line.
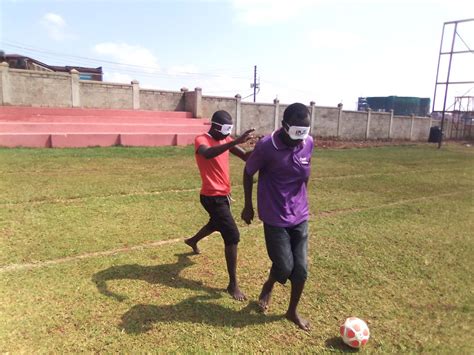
[(17, 267), (150, 193)]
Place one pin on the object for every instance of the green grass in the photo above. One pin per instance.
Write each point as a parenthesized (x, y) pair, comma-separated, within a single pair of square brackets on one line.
[(81, 268)]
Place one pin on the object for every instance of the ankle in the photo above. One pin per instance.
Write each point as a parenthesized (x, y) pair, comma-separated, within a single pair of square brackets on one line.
[(233, 284), (292, 312)]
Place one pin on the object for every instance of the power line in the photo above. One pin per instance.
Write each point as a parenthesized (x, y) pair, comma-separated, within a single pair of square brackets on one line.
[(134, 69), (112, 63)]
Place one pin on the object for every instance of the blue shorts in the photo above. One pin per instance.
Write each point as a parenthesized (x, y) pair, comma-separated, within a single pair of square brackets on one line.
[(287, 248)]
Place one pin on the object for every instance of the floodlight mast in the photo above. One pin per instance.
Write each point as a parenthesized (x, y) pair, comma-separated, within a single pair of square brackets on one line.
[(448, 82)]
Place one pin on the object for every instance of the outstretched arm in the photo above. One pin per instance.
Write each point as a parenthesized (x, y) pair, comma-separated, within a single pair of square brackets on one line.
[(212, 152)]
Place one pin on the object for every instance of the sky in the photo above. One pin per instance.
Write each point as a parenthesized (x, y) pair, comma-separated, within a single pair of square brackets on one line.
[(326, 51)]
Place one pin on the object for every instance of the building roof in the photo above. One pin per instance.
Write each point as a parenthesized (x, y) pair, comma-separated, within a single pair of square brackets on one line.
[(56, 68)]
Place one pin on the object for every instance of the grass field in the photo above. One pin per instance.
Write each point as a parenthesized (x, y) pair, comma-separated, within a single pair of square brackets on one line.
[(92, 257)]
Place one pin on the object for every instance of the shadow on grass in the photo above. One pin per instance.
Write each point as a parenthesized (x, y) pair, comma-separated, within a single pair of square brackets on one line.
[(142, 317), (336, 343), (166, 274)]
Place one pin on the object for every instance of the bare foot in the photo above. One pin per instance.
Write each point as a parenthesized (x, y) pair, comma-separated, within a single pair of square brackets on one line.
[(300, 322), (265, 296), (193, 245), (235, 292)]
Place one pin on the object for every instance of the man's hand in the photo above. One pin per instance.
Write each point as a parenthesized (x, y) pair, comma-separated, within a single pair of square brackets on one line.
[(244, 137), (247, 214)]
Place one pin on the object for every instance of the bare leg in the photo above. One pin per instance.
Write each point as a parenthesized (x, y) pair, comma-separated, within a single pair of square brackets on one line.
[(203, 232), (266, 294), (292, 314), (231, 260)]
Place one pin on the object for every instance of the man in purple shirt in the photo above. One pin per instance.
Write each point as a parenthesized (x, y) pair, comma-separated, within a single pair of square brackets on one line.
[(283, 162)]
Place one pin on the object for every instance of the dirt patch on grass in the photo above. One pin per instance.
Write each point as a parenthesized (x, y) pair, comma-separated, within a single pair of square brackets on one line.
[(335, 143), (326, 143)]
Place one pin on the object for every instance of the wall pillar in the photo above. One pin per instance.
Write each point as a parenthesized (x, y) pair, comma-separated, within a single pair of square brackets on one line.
[(135, 94), (313, 115), (5, 98), (390, 125), (276, 113), (197, 104), (411, 126), (369, 113), (238, 115), (339, 120), (75, 89), (184, 92)]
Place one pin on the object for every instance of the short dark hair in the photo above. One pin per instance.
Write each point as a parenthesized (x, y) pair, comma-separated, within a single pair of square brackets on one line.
[(296, 111), (222, 116)]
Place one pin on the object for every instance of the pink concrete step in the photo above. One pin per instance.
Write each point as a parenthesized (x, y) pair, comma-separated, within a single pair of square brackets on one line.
[(30, 140), (156, 140), (103, 119), (69, 127), (78, 140), (53, 127), (48, 111)]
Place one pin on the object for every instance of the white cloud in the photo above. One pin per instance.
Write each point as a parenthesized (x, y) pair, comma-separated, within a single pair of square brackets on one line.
[(182, 70), (115, 77), (56, 26), (224, 85), (54, 19), (265, 12), (327, 39), (141, 58)]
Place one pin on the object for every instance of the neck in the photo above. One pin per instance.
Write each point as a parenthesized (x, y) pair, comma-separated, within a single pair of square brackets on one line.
[(215, 135), (285, 138)]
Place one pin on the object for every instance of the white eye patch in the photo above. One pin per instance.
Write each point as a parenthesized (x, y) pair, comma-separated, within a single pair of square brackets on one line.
[(226, 129), (297, 132)]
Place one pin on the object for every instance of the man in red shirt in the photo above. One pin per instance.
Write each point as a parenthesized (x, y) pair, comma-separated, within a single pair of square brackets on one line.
[(212, 158)]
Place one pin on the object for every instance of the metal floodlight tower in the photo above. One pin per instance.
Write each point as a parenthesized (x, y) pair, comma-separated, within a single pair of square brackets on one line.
[(463, 113), (447, 82)]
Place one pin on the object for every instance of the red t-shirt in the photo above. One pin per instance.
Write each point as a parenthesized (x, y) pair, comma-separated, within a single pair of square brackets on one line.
[(214, 172)]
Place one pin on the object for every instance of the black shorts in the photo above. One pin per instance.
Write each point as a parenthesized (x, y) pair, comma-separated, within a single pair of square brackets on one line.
[(221, 219)]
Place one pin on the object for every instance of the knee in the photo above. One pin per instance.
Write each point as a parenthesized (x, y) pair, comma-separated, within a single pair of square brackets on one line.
[(300, 273), (282, 271), (231, 237)]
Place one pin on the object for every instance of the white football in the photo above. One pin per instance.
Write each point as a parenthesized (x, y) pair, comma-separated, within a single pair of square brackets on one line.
[(355, 332)]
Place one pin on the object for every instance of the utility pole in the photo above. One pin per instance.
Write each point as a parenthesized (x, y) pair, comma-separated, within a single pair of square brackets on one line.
[(255, 85), (254, 82)]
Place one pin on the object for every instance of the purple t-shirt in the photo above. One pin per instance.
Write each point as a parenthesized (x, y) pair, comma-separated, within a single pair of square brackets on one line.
[(283, 173)]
